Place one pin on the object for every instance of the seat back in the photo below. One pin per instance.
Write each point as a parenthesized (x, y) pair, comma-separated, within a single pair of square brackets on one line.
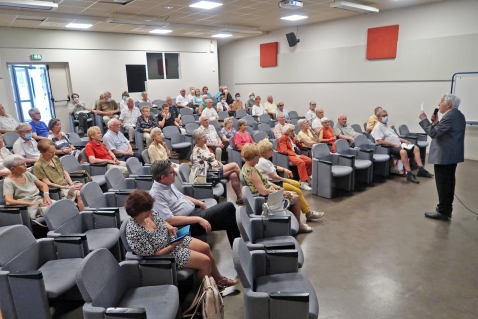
[(191, 127), (75, 138), (264, 127), (265, 118), (360, 140), (342, 146), (249, 130), (158, 102), (357, 128), (102, 288), (184, 171), (234, 124), (231, 143), (250, 120), (134, 165), (127, 247), (70, 163), (259, 136), (403, 129), (141, 104), (169, 131), (246, 224), (253, 203), (240, 114), (187, 119), (186, 111), (293, 115), (114, 178), (320, 150), (216, 125), (331, 123), (9, 139), (83, 155), (14, 240), (92, 195), (145, 156), (243, 262), (61, 212), (294, 121), (223, 115)]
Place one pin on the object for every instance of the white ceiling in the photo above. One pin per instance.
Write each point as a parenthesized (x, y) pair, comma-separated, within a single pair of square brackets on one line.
[(262, 15)]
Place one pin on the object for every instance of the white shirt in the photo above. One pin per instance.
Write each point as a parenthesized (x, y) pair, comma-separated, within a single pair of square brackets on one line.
[(8, 122), (210, 113), (316, 123), (25, 149), (123, 105), (265, 167), (310, 115), (182, 100), (383, 132), (258, 110), (129, 117), (211, 134)]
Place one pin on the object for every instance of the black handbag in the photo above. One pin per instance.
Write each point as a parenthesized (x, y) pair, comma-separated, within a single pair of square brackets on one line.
[(213, 177)]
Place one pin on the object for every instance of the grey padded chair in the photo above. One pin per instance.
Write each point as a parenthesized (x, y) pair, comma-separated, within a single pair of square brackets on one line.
[(9, 139), (358, 129), (35, 273), (145, 156), (294, 121), (178, 275), (204, 193), (218, 190), (71, 164), (141, 104), (259, 136), (273, 288), (125, 289), (117, 182), (177, 141), (251, 122), (264, 127), (191, 127), (295, 115), (330, 171), (95, 199), (100, 228), (233, 154), (266, 119), (420, 140), (240, 114), (139, 141), (381, 155), (186, 111), (223, 115), (76, 140), (271, 232), (187, 119), (216, 125), (254, 207), (363, 165), (135, 168)]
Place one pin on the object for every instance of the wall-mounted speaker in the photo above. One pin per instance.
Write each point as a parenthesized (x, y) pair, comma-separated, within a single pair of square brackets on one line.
[(292, 39)]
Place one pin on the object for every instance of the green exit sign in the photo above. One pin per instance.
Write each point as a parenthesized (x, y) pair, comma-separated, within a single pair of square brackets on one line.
[(35, 56)]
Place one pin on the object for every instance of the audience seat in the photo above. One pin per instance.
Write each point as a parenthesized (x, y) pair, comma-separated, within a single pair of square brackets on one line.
[(136, 169), (9, 139), (251, 122), (218, 190), (117, 182), (381, 155), (264, 127), (294, 115), (420, 140), (266, 119), (363, 168), (186, 119), (186, 111), (259, 136), (71, 164), (240, 114), (95, 199), (177, 141), (145, 156)]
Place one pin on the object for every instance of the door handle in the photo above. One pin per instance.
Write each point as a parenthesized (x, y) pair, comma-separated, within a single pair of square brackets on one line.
[(67, 100)]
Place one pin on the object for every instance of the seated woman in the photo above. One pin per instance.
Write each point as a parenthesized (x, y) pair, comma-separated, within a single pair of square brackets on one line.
[(197, 98), (158, 150), (23, 188), (242, 137), (50, 171), (145, 123), (288, 144), (227, 131), (222, 105), (230, 171), (149, 235), (165, 118), (96, 152), (265, 167), (258, 109), (260, 185), (306, 137), (62, 143), (4, 153), (326, 133)]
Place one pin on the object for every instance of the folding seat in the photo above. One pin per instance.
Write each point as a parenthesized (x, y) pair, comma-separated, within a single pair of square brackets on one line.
[(294, 115), (96, 200), (380, 158), (363, 165), (117, 182), (259, 136), (97, 171), (219, 190), (264, 127), (266, 119), (9, 139), (177, 141), (135, 168), (240, 114)]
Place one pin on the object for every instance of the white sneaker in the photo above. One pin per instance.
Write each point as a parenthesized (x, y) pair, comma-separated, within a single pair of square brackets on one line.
[(305, 186), (313, 215), (304, 228)]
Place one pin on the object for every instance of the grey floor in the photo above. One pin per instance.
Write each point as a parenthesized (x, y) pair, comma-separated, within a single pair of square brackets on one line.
[(376, 256)]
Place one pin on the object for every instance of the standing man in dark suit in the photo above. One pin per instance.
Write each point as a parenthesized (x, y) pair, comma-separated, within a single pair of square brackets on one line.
[(446, 151)]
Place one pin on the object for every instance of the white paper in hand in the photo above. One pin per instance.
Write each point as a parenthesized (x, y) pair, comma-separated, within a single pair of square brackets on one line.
[(422, 106)]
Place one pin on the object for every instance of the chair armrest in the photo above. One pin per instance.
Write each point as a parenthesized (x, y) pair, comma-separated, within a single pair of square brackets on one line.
[(98, 168), (282, 261), (283, 304), (293, 296), (346, 160), (168, 257), (157, 272), (273, 226), (71, 246), (325, 162), (132, 313), (32, 274), (106, 219), (78, 175), (278, 246)]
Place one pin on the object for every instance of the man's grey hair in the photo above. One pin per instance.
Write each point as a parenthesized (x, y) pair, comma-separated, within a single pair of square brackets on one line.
[(241, 122), (208, 99), (300, 122), (13, 161), (287, 127), (111, 122), (144, 93), (22, 126), (160, 168), (182, 89), (197, 134), (155, 131), (202, 117), (280, 114), (380, 114), (455, 100), (130, 98), (31, 111)]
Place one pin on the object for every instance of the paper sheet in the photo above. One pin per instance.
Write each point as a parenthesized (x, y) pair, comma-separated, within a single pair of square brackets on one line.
[(422, 106)]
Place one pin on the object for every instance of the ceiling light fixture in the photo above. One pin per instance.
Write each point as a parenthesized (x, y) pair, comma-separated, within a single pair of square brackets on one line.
[(294, 17), (221, 35), (29, 4), (79, 25), (160, 31), (205, 5), (345, 5), (137, 22)]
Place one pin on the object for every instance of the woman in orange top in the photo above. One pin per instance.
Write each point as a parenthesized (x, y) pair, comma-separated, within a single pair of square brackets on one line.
[(303, 163), (326, 134)]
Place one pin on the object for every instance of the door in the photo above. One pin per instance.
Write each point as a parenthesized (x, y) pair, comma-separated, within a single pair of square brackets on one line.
[(60, 90)]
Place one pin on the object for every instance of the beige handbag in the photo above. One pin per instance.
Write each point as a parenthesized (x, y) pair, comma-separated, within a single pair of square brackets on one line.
[(198, 173), (209, 298)]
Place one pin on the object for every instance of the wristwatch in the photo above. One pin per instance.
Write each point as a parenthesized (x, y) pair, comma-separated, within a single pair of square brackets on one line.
[(46, 193)]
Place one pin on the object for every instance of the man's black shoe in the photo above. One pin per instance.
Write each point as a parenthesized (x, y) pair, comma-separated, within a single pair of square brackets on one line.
[(412, 178), (424, 173), (436, 215)]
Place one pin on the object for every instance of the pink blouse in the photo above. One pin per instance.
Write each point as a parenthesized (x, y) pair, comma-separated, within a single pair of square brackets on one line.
[(241, 140)]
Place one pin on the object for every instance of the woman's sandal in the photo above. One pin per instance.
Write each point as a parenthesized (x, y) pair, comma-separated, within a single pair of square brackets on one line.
[(226, 282)]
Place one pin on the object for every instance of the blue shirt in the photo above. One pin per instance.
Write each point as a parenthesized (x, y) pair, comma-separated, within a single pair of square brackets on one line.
[(285, 113), (218, 95), (40, 128), (169, 202), (115, 141)]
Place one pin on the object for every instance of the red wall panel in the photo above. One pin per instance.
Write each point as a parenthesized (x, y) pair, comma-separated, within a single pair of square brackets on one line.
[(269, 54), (382, 42)]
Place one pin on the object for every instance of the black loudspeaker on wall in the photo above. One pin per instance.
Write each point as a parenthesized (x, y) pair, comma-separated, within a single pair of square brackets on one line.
[(292, 39)]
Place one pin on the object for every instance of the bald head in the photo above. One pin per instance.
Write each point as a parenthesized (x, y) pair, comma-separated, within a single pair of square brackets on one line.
[(281, 118), (342, 119), (319, 113), (270, 99)]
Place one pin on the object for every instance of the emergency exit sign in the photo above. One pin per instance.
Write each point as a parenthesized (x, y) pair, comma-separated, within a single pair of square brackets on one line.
[(35, 56)]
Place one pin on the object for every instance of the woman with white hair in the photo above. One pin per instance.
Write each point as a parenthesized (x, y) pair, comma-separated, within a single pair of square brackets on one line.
[(201, 154), (23, 188), (306, 137), (326, 133), (158, 149), (288, 144)]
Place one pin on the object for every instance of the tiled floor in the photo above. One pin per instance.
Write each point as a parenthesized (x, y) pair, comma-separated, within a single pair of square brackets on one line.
[(376, 256)]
